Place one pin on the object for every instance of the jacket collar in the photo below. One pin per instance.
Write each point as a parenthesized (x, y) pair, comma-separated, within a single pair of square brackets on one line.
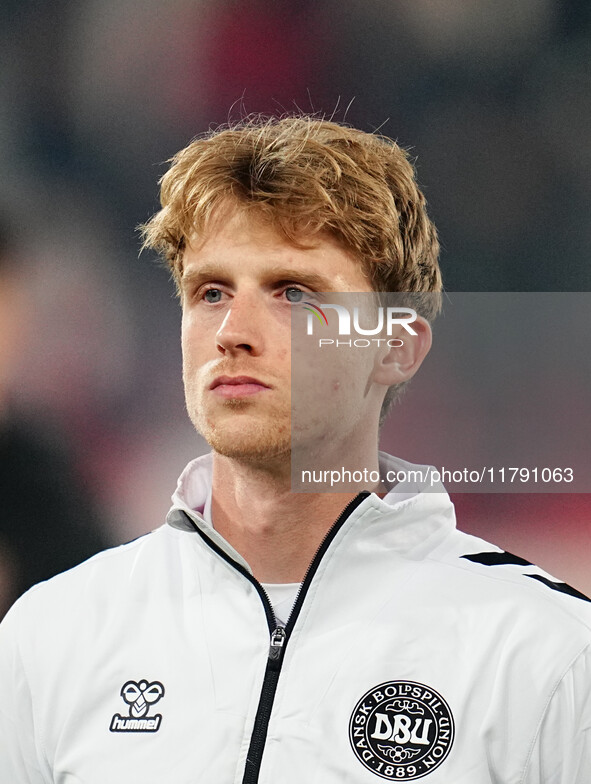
[(411, 518)]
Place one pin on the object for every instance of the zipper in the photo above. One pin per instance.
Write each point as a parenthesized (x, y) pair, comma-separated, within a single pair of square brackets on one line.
[(315, 562), (277, 642), (279, 636)]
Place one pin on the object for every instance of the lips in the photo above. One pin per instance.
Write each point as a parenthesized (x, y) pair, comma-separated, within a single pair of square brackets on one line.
[(236, 381), (237, 386)]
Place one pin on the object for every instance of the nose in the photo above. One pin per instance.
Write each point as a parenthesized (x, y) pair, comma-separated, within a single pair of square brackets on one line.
[(242, 330)]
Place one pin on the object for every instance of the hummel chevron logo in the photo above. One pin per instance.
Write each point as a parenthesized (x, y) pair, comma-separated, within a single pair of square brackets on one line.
[(139, 696)]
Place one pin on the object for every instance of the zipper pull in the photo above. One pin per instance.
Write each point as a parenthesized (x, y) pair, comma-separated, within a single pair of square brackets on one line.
[(277, 642)]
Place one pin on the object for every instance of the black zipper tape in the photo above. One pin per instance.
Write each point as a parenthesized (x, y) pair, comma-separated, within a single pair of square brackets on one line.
[(279, 638), (273, 670)]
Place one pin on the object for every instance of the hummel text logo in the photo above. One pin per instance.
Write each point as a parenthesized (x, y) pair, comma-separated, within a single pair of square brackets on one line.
[(139, 696)]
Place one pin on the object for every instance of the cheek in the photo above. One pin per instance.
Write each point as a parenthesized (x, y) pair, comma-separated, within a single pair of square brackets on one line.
[(185, 336), (192, 341), (347, 377), (187, 356)]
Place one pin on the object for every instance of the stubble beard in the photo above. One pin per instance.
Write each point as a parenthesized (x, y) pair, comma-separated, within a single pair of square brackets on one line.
[(240, 434)]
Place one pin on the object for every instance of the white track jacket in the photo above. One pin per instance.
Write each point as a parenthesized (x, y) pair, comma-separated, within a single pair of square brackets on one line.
[(413, 652)]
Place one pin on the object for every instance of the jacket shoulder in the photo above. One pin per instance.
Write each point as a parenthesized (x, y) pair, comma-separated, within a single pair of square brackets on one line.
[(117, 570), (492, 574)]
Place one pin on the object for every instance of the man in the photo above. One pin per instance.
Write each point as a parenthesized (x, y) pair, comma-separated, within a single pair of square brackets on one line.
[(263, 635)]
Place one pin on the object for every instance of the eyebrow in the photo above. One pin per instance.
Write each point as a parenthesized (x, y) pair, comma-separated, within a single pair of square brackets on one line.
[(277, 275)]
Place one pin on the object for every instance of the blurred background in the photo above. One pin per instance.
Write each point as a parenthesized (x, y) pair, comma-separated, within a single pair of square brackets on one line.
[(493, 99)]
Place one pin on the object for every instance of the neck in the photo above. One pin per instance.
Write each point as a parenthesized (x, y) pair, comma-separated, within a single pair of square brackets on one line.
[(276, 530)]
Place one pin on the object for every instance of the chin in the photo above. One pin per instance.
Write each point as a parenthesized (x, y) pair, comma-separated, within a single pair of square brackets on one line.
[(247, 438)]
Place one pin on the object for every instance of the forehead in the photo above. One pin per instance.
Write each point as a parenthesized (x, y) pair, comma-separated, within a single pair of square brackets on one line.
[(243, 243)]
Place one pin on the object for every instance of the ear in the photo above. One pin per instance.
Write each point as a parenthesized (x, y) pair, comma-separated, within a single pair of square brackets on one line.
[(402, 359)]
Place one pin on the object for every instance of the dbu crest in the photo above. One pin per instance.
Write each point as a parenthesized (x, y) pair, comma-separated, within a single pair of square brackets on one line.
[(401, 730)]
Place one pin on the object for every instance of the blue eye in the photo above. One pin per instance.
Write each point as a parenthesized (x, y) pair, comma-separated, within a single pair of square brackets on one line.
[(212, 295), (293, 294)]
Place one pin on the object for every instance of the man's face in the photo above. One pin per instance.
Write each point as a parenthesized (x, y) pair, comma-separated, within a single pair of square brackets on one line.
[(238, 289)]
